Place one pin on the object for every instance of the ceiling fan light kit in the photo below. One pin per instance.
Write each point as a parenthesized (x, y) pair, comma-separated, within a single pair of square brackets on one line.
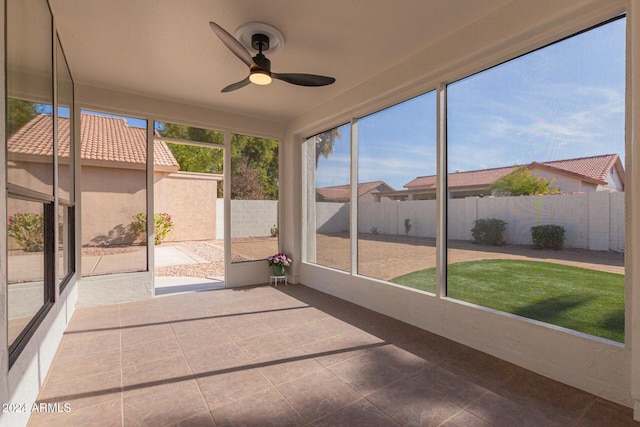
[(260, 78), (261, 38)]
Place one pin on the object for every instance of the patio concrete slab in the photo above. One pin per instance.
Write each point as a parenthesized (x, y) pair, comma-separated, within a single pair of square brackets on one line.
[(166, 256), (117, 263), (176, 285)]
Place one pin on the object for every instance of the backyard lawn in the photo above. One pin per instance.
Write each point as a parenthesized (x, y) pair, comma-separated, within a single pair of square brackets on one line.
[(576, 298)]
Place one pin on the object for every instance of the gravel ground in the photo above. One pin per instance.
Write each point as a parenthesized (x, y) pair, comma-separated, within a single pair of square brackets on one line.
[(210, 250)]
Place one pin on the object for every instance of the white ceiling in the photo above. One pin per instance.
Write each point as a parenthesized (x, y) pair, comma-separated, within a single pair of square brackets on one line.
[(165, 48)]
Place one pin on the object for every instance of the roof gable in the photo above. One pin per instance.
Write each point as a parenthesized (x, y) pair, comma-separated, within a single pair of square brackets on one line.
[(592, 169), (103, 139), (343, 192)]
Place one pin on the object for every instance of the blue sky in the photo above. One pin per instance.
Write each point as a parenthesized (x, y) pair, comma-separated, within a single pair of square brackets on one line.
[(131, 121), (563, 101)]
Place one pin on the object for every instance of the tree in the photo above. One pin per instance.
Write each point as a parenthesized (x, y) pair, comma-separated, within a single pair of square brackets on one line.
[(19, 113), (325, 142), (521, 182), (197, 159), (249, 153), (254, 161), (246, 183), (193, 158)]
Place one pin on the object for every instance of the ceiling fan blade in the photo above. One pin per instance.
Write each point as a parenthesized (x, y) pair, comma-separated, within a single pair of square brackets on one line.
[(234, 45), (238, 85), (304, 79)]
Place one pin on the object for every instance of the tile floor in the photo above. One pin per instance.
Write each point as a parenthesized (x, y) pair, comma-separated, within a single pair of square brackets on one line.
[(289, 356)]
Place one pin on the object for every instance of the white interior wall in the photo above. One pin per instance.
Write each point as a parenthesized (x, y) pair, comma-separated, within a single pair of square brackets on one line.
[(21, 384), (595, 365)]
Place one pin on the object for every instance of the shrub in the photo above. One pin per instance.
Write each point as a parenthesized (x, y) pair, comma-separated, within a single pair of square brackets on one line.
[(27, 229), (521, 182), (548, 236), (162, 225), (274, 231), (488, 231), (407, 226)]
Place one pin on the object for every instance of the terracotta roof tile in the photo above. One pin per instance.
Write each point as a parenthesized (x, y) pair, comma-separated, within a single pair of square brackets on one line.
[(462, 179), (103, 138), (344, 191), (594, 168)]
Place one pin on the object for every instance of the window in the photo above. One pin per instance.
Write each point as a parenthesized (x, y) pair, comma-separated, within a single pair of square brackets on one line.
[(114, 194), (536, 157), (254, 198), (328, 198), (535, 161), (396, 192), (31, 222), (66, 162)]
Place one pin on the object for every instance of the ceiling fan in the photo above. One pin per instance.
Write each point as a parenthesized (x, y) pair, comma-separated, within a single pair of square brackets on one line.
[(259, 66)]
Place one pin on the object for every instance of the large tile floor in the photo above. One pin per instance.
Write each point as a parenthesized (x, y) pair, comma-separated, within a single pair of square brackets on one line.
[(289, 356)]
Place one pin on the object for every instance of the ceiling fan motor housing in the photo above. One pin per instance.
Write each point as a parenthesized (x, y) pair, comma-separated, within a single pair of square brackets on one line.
[(260, 42), (262, 62)]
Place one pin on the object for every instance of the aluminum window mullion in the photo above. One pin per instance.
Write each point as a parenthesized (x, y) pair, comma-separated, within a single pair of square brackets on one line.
[(150, 207), (353, 226), (187, 142), (441, 191)]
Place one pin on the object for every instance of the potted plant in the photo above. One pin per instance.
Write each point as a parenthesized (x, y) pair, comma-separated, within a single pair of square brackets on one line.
[(278, 263)]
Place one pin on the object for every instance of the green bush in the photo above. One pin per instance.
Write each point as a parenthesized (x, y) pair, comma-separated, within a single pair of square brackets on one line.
[(548, 236), (27, 229), (488, 231), (162, 225)]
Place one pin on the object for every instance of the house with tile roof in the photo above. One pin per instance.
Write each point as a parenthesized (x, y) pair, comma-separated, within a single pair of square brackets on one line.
[(342, 193), (570, 176), (113, 158)]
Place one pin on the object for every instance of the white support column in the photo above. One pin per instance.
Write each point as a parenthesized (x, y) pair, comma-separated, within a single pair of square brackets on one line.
[(353, 224), (632, 200), (226, 184), (150, 207), (308, 208), (441, 191)]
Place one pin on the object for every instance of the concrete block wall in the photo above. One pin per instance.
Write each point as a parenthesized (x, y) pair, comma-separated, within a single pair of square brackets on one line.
[(592, 221), (253, 218)]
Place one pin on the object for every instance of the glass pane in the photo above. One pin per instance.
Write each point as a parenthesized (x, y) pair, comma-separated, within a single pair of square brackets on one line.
[(254, 198), (114, 199), (29, 95), (25, 259), (64, 250), (396, 193), (536, 179), (65, 127), (328, 195), (189, 210), (189, 133)]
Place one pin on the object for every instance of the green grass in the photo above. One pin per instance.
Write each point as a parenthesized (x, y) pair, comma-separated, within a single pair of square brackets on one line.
[(584, 300)]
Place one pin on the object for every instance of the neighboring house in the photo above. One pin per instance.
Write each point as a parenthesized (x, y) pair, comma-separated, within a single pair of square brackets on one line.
[(580, 175), (113, 186), (342, 193)]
